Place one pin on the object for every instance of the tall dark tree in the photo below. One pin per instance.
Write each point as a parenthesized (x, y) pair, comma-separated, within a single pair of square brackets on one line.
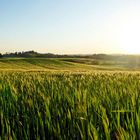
[(1, 55)]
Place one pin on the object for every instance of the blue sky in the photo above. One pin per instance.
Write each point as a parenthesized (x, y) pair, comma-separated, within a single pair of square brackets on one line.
[(70, 26)]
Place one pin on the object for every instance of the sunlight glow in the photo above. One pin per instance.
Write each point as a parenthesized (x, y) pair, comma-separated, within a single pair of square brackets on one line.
[(130, 42), (129, 33)]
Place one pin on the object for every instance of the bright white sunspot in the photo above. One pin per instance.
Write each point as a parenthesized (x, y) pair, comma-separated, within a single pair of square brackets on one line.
[(129, 33)]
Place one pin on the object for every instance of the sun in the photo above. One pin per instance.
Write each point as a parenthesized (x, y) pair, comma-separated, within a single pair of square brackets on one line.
[(130, 41), (128, 32)]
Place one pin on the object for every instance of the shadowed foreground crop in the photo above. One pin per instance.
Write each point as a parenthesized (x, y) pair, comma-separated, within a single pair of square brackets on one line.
[(41, 105)]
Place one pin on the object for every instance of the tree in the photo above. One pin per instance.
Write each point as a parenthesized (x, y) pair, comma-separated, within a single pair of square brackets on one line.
[(1, 55)]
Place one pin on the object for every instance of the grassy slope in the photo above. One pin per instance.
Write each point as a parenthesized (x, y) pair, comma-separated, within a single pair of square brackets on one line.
[(65, 64), (40, 64)]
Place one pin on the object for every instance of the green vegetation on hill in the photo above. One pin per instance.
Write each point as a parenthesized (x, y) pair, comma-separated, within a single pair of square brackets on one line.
[(66, 64), (39, 64), (31, 60)]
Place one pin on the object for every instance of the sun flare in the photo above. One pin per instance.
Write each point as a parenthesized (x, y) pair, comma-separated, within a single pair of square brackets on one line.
[(129, 34), (130, 43)]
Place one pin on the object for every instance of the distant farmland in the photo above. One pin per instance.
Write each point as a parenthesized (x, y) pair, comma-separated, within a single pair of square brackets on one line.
[(69, 64)]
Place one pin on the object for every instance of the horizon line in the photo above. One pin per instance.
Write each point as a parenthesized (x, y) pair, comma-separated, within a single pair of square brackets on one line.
[(71, 53)]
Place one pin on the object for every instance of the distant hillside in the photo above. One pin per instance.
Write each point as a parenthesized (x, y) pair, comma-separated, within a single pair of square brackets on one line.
[(33, 54), (67, 64), (125, 61), (41, 64)]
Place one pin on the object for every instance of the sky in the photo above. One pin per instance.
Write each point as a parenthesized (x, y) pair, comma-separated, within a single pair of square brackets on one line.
[(70, 26)]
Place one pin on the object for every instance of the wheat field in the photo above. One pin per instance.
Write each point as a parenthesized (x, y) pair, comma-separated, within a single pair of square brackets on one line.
[(43, 105)]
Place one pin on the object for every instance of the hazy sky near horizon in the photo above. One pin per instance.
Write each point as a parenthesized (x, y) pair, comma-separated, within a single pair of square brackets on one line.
[(70, 26)]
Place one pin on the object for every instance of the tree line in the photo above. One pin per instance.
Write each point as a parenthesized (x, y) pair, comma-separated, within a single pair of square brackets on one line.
[(33, 54)]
